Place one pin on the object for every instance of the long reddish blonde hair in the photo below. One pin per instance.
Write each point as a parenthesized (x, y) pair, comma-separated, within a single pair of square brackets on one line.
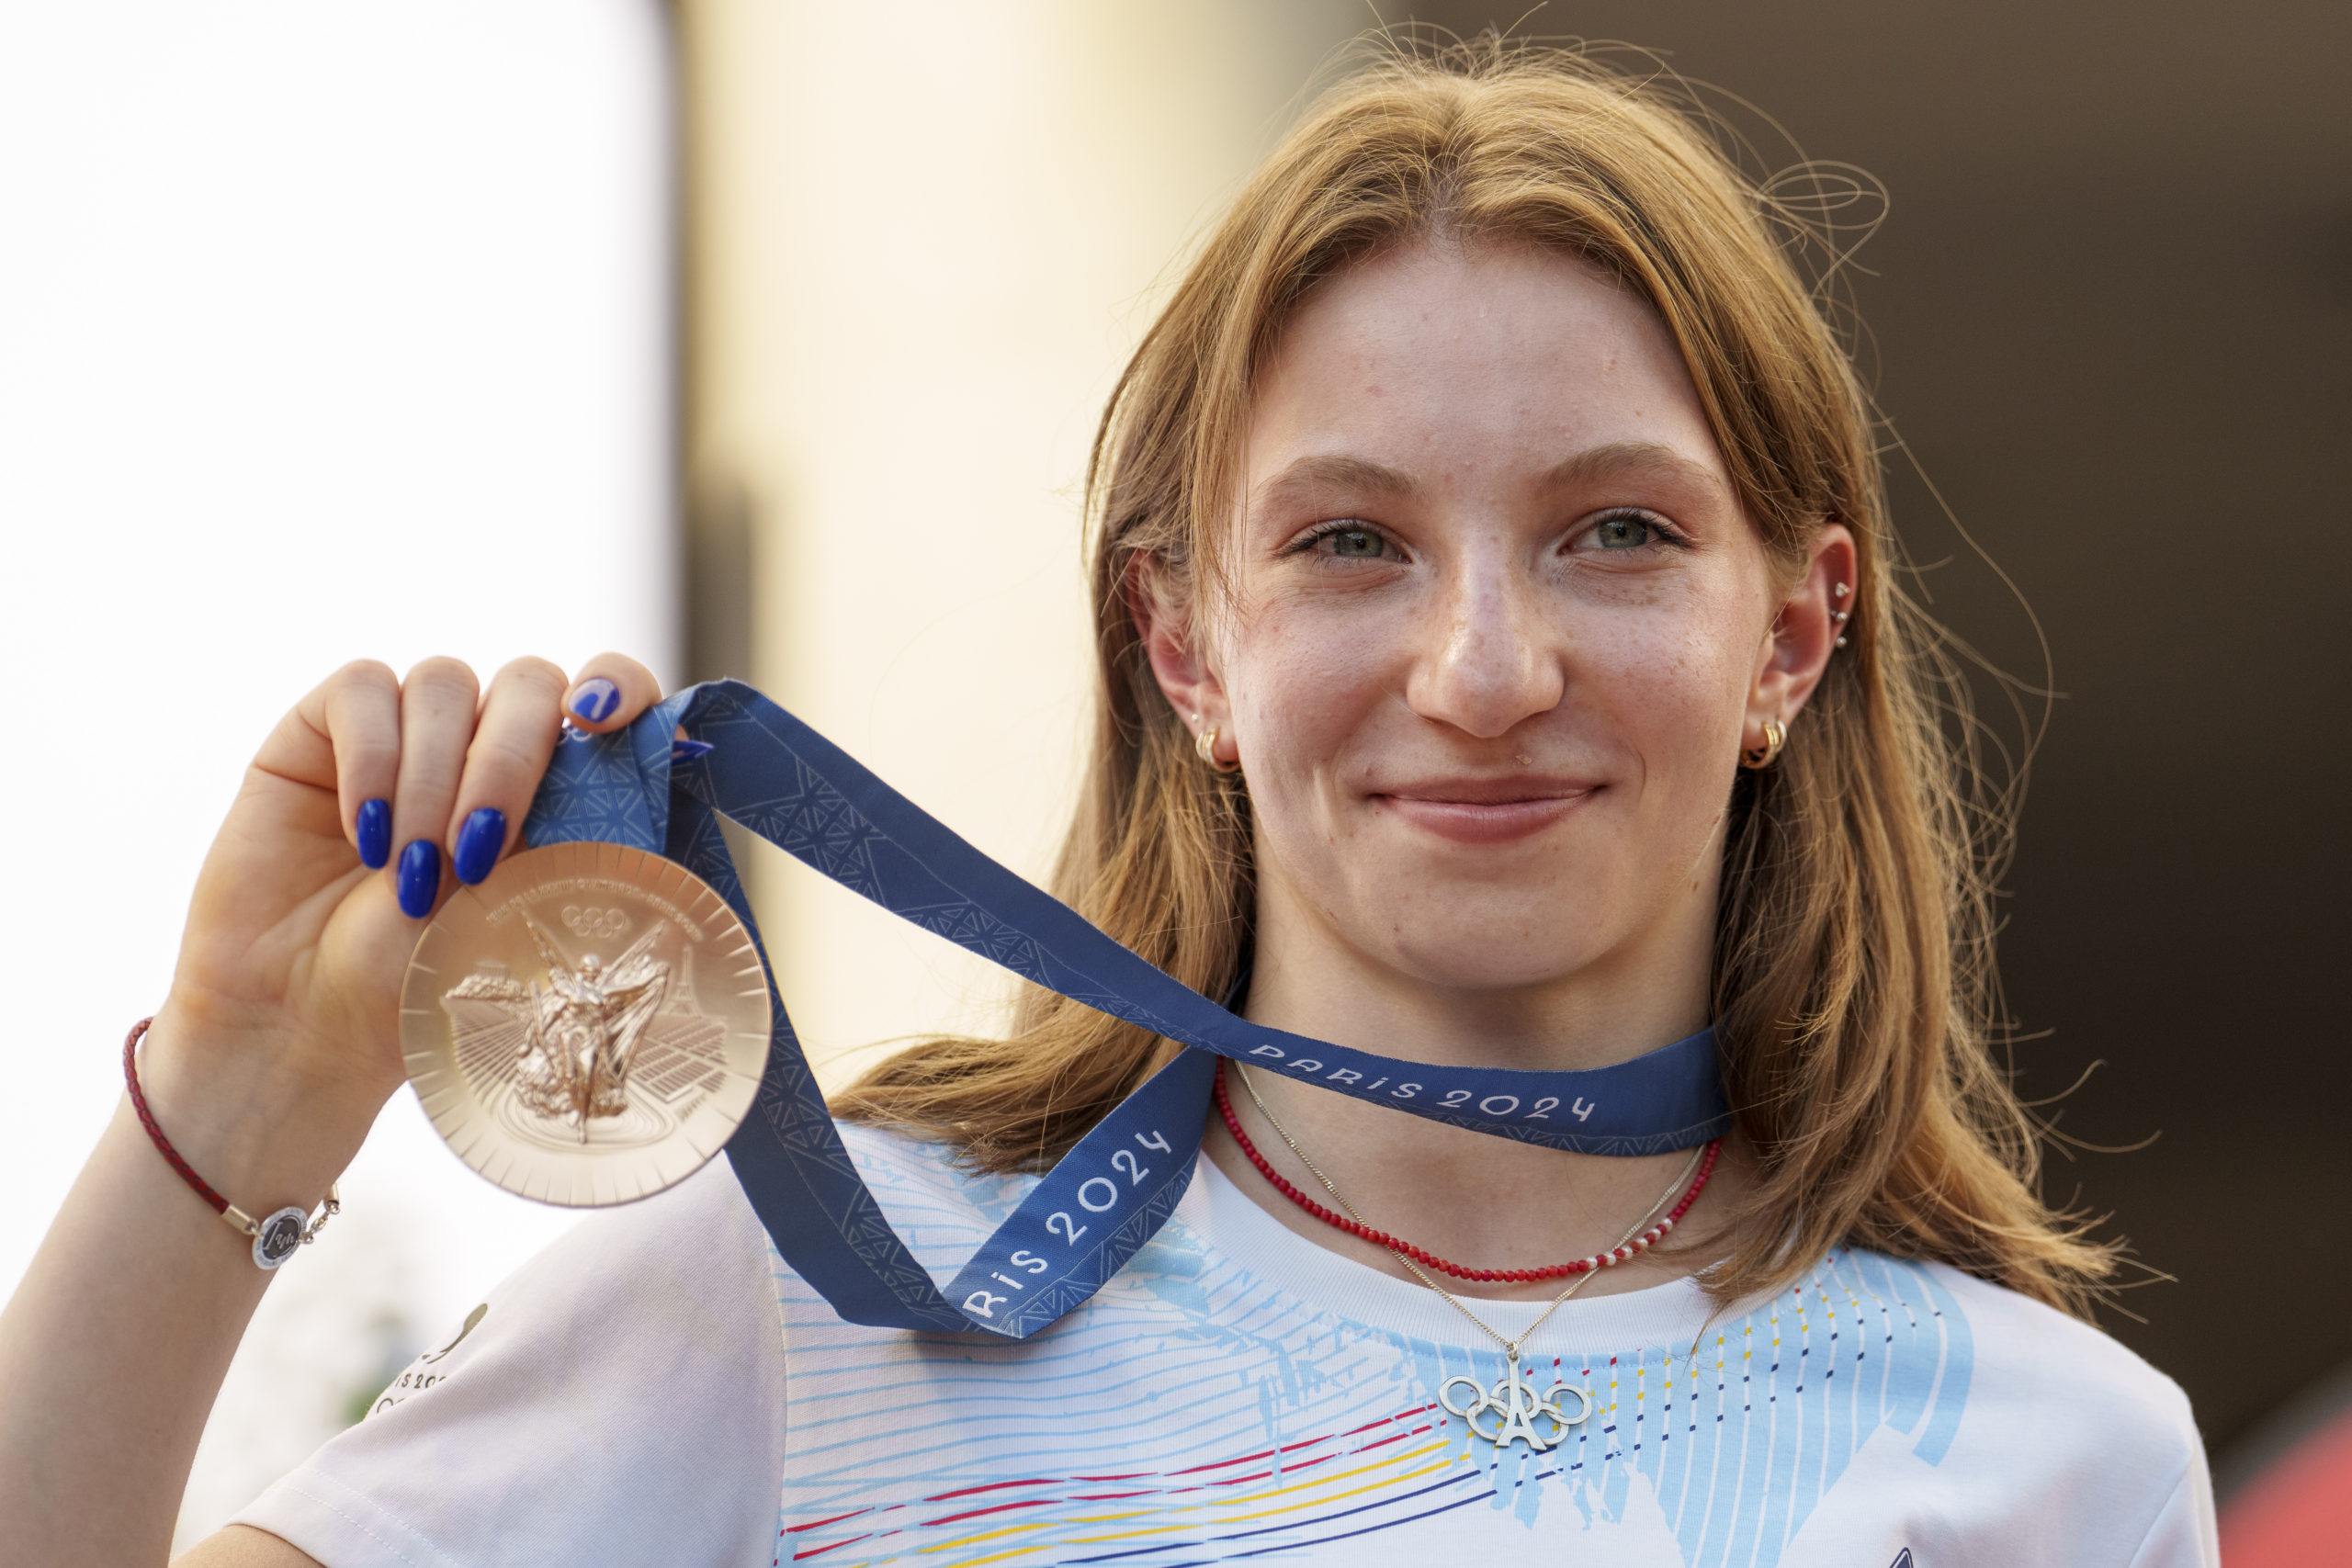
[(1855, 995)]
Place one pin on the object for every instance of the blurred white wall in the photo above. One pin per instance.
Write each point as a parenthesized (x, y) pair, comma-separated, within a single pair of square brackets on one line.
[(341, 331), (929, 236), (325, 330)]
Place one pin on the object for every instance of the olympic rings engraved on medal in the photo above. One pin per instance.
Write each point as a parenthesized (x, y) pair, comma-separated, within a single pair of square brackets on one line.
[(593, 921), (1515, 1405)]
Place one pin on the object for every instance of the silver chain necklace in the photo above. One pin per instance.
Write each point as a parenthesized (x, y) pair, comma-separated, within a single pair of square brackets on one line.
[(1512, 1401)]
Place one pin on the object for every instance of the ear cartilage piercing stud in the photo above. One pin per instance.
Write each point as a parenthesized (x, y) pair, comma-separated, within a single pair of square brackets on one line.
[(1842, 591)]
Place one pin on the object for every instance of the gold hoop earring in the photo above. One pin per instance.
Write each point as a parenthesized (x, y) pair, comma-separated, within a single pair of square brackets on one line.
[(1204, 748), (1776, 735)]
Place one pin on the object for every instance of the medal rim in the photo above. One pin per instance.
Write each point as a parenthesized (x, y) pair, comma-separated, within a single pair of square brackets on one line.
[(591, 1179)]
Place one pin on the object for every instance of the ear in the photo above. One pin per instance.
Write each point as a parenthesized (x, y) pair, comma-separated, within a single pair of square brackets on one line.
[(1803, 637), (1181, 658)]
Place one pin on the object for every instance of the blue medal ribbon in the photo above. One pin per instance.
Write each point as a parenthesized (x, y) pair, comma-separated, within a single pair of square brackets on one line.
[(759, 767)]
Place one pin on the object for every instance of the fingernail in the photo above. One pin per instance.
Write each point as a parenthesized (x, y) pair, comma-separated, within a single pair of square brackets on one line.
[(479, 842), (419, 879), (593, 700), (687, 750), (373, 828)]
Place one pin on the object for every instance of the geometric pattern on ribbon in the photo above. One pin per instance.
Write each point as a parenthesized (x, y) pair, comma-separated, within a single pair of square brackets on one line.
[(781, 780)]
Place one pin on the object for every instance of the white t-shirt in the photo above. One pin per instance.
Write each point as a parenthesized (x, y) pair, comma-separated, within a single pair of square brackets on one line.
[(658, 1388)]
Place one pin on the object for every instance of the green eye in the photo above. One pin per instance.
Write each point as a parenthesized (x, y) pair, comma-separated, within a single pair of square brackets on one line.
[(1359, 544), (1622, 534)]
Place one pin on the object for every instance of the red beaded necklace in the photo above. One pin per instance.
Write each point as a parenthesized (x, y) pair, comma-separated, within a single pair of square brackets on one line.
[(1631, 1248)]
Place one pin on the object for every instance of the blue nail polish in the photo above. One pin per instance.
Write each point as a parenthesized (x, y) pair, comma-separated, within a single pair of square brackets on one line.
[(373, 828), (687, 750), (479, 842), (593, 700), (419, 879)]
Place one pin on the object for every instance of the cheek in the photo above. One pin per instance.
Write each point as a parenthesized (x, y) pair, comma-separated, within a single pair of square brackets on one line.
[(1300, 683), (1673, 675)]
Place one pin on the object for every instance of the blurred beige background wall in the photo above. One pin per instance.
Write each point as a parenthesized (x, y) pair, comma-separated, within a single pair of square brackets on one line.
[(922, 240)]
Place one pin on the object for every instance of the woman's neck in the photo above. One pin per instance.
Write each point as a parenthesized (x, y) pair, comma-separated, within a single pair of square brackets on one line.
[(1471, 1198), (1647, 990)]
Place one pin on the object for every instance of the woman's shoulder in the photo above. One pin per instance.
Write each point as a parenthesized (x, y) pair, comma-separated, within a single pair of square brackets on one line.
[(2030, 1349), (2007, 1430), (618, 1397), (2072, 1422)]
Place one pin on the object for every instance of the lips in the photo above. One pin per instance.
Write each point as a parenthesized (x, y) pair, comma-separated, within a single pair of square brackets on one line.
[(1486, 810)]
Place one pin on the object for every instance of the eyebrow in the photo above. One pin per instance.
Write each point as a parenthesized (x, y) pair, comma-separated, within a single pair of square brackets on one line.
[(1618, 459), (1612, 461), (1337, 471)]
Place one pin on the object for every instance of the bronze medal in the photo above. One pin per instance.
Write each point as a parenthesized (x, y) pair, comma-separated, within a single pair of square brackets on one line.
[(587, 1026)]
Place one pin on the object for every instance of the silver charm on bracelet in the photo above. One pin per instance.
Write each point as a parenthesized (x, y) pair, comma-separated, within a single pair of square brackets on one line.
[(277, 1238)]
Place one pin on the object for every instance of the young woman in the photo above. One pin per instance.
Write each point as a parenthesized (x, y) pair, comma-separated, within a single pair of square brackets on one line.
[(1500, 668)]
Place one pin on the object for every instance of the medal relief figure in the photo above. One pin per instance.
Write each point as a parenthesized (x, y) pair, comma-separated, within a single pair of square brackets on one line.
[(618, 1041), (581, 1033)]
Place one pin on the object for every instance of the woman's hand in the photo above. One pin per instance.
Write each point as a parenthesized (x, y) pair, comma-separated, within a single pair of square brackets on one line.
[(277, 1046), (364, 810)]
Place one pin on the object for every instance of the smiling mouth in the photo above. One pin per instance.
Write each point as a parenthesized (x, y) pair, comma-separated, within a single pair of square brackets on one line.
[(1485, 811)]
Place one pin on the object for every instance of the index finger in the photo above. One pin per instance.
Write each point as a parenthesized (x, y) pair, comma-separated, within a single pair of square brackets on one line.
[(609, 692), (344, 736), (362, 709)]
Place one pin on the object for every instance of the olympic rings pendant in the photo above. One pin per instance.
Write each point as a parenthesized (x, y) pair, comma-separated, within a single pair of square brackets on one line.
[(1515, 1406)]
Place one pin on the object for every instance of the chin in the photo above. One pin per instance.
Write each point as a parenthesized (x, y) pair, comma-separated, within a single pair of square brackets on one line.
[(1484, 948)]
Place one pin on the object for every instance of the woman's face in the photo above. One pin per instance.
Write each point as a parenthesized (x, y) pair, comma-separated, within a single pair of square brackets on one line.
[(1499, 627)]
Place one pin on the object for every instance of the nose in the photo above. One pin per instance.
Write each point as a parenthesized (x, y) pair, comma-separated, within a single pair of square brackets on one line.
[(1490, 662)]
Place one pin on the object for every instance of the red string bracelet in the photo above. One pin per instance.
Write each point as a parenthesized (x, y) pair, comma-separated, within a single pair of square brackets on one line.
[(1632, 1248), (275, 1238)]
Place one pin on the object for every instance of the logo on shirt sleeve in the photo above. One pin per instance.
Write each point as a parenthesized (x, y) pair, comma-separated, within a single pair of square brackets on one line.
[(426, 1372)]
